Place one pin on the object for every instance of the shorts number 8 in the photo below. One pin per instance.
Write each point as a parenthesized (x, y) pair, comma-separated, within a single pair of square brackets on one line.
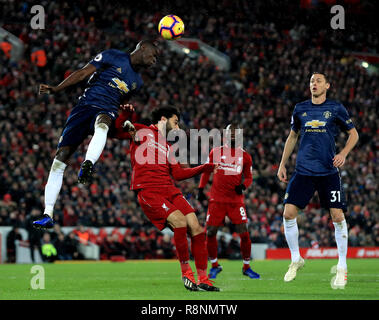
[(243, 213)]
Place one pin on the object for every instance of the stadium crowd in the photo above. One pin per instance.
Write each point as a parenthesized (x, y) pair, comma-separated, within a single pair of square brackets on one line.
[(272, 56)]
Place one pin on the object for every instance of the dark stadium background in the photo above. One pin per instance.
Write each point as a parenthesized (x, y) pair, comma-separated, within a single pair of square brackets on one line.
[(273, 47)]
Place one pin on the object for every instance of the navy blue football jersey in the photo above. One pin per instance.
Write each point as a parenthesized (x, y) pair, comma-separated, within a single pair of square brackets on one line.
[(114, 78), (319, 124)]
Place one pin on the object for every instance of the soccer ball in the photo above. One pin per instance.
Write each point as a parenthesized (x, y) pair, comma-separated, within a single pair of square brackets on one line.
[(171, 27)]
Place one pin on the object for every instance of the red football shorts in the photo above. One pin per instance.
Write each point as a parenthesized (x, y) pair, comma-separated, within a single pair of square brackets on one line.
[(159, 203), (217, 211)]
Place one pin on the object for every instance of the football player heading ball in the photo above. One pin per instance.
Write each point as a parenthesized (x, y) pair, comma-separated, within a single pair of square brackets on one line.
[(114, 75)]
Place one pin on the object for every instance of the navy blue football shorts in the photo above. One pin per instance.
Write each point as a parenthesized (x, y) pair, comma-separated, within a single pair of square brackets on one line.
[(80, 124), (301, 189)]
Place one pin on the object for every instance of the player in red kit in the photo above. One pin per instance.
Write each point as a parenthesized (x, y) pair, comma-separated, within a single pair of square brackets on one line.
[(154, 169), (226, 198)]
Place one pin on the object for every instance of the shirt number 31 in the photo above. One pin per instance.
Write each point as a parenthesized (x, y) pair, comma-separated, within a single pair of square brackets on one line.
[(336, 196)]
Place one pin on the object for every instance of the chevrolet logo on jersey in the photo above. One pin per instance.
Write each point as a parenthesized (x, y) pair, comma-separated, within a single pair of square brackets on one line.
[(315, 124), (121, 85)]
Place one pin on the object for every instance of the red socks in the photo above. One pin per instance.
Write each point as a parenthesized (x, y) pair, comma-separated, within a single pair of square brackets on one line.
[(212, 250), (245, 249), (200, 254), (181, 244)]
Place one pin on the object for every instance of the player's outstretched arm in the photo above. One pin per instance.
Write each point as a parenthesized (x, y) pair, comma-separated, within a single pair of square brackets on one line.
[(339, 159), (288, 149), (74, 78), (180, 173)]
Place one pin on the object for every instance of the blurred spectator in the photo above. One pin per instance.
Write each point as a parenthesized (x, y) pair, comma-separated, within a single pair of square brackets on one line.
[(277, 240), (256, 237), (304, 242), (56, 231), (61, 246), (6, 46), (12, 236), (72, 247), (222, 248), (128, 247), (165, 248), (49, 252), (111, 247), (38, 57), (233, 249), (34, 235), (7, 202), (82, 234)]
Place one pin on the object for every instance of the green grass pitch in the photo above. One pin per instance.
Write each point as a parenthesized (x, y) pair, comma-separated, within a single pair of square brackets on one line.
[(160, 280)]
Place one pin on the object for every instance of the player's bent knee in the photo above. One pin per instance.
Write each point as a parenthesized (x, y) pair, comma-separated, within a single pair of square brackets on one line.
[(64, 153), (103, 122), (58, 166), (101, 126), (193, 224), (177, 220), (337, 215), (290, 211)]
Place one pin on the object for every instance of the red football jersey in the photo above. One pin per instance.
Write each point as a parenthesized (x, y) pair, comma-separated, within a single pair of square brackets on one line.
[(234, 163), (152, 164)]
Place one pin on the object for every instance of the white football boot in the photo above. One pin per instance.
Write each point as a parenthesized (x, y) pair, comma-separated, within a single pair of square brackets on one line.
[(292, 270), (340, 279)]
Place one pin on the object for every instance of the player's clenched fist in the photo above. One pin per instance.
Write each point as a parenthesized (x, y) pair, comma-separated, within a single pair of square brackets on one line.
[(45, 88), (127, 107), (129, 127), (282, 174)]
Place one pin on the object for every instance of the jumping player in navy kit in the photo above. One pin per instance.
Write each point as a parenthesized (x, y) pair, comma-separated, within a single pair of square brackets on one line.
[(114, 76), (317, 121)]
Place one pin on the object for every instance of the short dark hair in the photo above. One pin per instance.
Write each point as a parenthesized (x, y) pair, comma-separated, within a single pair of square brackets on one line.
[(148, 43), (233, 126), (166, 112), (324, 74)]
